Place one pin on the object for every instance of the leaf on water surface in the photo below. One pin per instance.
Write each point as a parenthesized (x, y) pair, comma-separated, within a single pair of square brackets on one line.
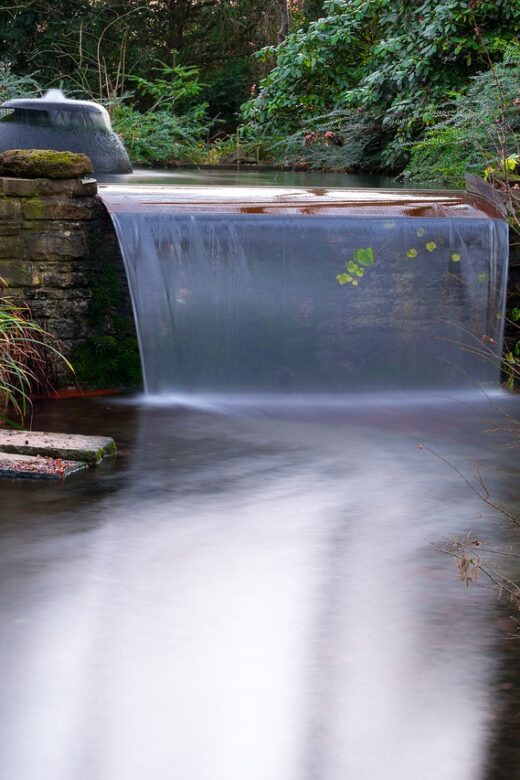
[(455, 257), (411, 253), (364, 256), (421, 232), (431, 246), (482, 277)]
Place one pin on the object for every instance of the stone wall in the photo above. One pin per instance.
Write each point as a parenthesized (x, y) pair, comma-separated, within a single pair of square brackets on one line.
[(59, 253)]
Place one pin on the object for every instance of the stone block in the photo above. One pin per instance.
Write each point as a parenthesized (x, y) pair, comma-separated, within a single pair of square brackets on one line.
[(11, 246), (13, 466), (66, 329), (56, 208), (19, 273), (64, 279), (10, 209), (53, 246), (10, 228), (52, 226), (46, 163), (86, 449), (84, 188), (30, 188)]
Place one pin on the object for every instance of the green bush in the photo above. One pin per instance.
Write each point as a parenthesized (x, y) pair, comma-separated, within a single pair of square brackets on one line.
[(13, 86), (174, 127), (480, 129), (391, 64), (161, 137)]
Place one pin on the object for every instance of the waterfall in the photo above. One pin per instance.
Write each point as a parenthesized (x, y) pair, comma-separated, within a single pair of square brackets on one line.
[(271, 290)]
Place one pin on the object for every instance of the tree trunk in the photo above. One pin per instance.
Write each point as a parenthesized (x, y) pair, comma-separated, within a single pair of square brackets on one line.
[(284, 21)]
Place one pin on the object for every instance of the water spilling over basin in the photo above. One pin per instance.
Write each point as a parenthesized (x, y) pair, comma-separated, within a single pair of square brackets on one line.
[(278, 289), (56, 122)]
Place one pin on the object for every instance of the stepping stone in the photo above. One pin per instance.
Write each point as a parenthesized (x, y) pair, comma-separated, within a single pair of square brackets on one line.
[(65, 446), (14, 466)]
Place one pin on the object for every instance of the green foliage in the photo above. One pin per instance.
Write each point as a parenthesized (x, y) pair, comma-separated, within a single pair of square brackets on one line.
[(364, 257), (175, 88), (479, 130), (391, 65), (108, 361), (13, 86), (161, 137), (173, 128), (23, 349)]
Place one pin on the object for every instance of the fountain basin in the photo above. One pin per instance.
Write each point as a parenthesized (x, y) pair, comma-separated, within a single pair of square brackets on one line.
[(57, 123)]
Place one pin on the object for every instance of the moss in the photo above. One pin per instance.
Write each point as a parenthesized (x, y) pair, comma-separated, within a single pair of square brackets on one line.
[(44, 164), (108, 362), (109, 357)]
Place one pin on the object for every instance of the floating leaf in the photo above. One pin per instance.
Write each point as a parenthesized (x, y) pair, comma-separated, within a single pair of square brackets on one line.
[(352, 267), (360, 272), (364, 256), (431, 245), (355, 282), (455, 257), (411, 253), (344, 278), (482, 277), (515, 314), (421, 232)]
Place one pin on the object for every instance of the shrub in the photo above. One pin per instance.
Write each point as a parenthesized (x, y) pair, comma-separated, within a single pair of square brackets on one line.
[(24, 347), (161, 137), (479, 130)]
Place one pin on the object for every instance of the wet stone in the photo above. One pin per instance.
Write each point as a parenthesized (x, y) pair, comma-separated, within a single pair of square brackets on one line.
[(14, 466), (65, 446)]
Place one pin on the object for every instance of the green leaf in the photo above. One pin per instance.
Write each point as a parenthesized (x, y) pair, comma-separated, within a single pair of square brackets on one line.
[(431, 246), (482, 277), (455, 257), (411, 253), (344, 278), (364, 256)]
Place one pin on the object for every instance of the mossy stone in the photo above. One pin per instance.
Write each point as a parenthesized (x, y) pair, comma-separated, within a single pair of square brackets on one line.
[(44, 164)]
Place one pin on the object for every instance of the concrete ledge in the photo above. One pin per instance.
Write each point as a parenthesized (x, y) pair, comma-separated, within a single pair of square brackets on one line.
[(63, 446), (37, 467)]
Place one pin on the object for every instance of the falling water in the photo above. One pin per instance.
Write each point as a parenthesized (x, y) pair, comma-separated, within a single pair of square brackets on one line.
[(279, 291)]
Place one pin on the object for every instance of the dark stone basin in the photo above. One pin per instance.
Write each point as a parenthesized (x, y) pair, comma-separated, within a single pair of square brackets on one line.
[(63, 125)]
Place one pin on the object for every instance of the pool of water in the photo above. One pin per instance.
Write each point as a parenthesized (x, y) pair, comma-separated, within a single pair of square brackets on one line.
[(184, 177), (253, 592)]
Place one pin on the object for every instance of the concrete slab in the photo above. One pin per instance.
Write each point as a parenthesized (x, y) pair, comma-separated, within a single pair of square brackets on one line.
[(65, 446), (14, 466)]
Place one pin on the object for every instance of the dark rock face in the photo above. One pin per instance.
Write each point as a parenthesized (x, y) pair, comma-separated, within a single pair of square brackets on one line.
[(45, 163)]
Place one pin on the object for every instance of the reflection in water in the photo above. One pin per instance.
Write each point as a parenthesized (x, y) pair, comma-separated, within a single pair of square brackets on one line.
[(249, 597)]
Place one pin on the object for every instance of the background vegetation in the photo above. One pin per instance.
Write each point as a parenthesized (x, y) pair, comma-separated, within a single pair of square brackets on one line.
[(353, 85)]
